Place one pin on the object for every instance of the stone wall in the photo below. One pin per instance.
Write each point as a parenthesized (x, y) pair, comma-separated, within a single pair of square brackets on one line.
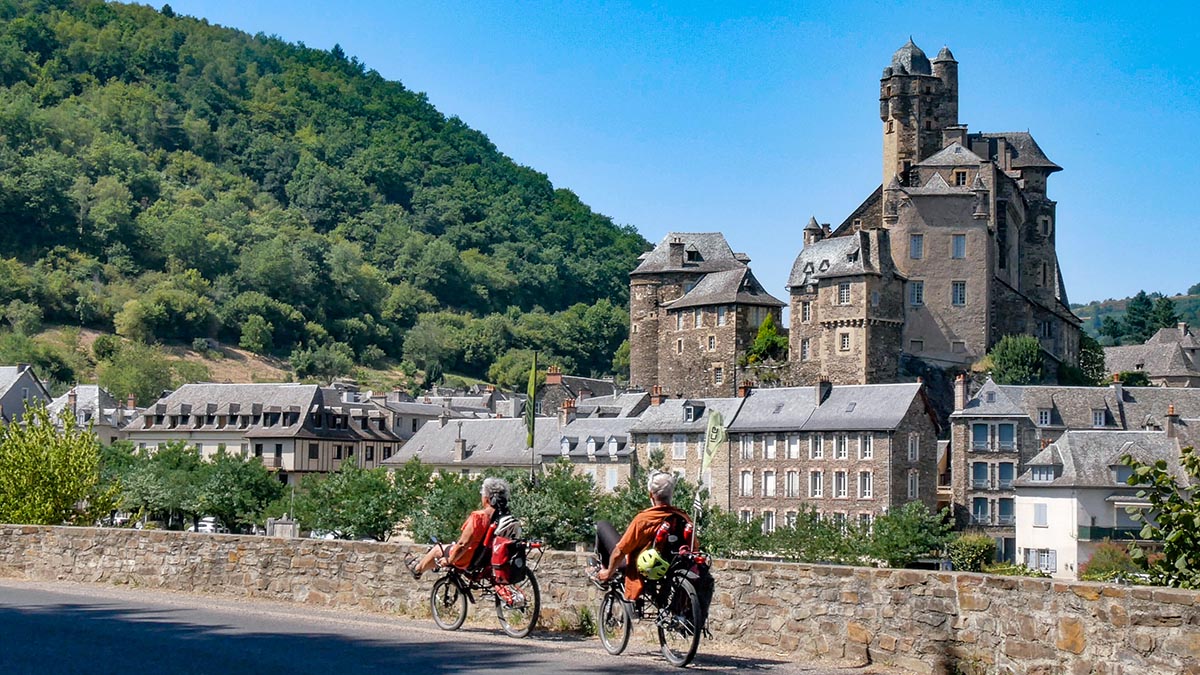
[(926, 622)]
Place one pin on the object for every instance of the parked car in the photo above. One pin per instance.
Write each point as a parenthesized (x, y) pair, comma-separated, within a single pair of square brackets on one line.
[(209, 525)]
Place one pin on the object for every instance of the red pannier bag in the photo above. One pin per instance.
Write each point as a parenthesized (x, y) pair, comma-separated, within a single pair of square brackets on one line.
[(508, 561)]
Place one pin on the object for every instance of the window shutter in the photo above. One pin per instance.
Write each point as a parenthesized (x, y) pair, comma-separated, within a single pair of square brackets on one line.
[(1053, 561)]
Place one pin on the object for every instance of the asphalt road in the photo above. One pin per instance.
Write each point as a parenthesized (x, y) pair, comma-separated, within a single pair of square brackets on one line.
[(53, 628)]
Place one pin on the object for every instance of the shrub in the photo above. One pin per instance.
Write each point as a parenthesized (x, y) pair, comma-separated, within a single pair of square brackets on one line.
[(970, 552), (1008, 569), (106, 346), (1110, 561)]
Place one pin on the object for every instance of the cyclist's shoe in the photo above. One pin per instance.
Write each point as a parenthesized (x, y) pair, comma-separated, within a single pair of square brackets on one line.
[(510, 596), (411, 561), (592, 570)]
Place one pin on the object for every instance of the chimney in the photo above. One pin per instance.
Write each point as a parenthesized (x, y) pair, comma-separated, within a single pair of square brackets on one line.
[(960, 392), (131, 402), (553, 375), (1171, 419), (656, 395), (675, 253), (566, 414), (1183, 328), (1117, 388), (72, 400), (584, 393), (744, 389), (823, 388), (443, 418), (954, 134), (460, 449)]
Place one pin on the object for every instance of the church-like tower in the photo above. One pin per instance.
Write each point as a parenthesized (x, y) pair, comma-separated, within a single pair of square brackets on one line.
[(918, 100)]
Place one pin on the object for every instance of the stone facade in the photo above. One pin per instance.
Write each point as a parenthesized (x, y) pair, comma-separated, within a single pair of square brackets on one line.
[(924, 622)]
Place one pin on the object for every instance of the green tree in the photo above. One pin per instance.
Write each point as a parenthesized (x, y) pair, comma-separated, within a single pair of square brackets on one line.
[(1133, 378), (236, 489), (559, 508), (1173, 518), (47, 474), (1113, 329), (1164, 314), (256, 334), (167, 483), (1139, 318), (323, 362), (450, 499), (25, 317), (352, 502), (137, 369), (903, 535), (970, 552), (1091, 360), (1017, 359)]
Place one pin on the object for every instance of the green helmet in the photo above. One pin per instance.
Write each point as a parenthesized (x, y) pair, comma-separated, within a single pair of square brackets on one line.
[(652, 565)]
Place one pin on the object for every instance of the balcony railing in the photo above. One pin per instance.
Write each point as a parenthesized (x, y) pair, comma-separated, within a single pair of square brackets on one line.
[(981, 519), (980, 484), (1006, 484), (271, 461), (1114, 533), (944, 481), (1006, 520), (994, 446)]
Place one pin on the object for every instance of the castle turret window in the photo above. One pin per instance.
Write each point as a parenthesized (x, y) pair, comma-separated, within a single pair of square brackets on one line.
[(916, 293), (960, 177), (843, 294), (844, 342), (805, 311), (916, 246), (721, 315), (958, 293), (958, 249), (805, 349)]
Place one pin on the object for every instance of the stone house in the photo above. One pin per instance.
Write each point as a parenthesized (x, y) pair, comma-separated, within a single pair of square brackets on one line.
[(18, 386), (559, 387), (94, 405), (695, 308), (1072, 496), (997, 431), (598, 446), (470, 447), (1170, 358), (851, 452)]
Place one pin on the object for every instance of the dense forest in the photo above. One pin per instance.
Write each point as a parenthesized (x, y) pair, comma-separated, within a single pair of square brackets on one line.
[(1133, 320), (169, 181)]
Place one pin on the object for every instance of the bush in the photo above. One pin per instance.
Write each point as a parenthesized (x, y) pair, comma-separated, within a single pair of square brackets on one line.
[(1011, 570), (105, 347), (970, 552), (1110, 561)]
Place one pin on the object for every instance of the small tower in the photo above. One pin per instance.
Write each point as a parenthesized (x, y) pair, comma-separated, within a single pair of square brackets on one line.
[(945, 68), (915, 105), (813, 232)]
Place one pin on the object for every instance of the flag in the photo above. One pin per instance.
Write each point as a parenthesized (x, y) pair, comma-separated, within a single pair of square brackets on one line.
[(529, 404), (714, 439)]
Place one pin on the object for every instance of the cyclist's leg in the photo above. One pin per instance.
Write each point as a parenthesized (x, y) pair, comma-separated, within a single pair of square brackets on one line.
[(435, 552), (606, 540)]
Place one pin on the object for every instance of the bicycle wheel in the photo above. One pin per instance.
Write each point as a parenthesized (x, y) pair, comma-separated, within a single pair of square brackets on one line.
[(518, 606), (614, 623), (448, 604), (679, 625)]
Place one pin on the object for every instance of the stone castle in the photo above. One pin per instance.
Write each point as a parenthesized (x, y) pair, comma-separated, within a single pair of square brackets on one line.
[(953, 251)]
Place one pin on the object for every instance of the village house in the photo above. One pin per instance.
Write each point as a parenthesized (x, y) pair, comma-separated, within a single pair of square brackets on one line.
[(597, 446), (19, 386), (92, 405), (470, 447), (1168, 359)]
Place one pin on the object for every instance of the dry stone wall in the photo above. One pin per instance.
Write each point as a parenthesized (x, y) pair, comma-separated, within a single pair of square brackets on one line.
[(925, 622)]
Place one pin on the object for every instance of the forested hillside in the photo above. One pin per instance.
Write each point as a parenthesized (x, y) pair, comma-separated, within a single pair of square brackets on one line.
[(170, 180), (1133, 320)]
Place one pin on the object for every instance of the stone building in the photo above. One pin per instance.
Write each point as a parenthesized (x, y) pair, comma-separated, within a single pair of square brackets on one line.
[(995, 433), (850, 452), (1170, 358), (94, 405), (559, 387), (19, 386), (695, 307), (954, 250), (597, 445)]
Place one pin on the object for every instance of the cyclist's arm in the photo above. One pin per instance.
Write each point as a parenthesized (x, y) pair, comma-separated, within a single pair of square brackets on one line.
[(458, 551)]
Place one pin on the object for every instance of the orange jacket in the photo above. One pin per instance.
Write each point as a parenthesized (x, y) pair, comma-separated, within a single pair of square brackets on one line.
[(473, 531), (638, 537)]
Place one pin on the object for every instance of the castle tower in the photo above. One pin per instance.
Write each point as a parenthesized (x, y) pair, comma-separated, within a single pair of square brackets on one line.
[(917, 101)]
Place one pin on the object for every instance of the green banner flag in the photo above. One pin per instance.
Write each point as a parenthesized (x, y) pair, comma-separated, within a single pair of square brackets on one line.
[(530, 404), (715, 438)]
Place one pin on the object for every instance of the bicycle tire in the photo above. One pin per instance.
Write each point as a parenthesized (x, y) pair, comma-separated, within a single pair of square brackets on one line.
[(680, 637), (613, 622), (448, 604), (519, 616)]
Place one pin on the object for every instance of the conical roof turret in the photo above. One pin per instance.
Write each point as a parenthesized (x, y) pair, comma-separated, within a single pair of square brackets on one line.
[(910, 60), (812, 225), (944, 55)]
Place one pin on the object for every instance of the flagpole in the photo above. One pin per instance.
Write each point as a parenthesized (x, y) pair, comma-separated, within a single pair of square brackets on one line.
[(531, 419)]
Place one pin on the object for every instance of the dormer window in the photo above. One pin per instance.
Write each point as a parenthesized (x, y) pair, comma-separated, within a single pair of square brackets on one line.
[(1041, 474), (1098, 418), (694, 256), (612, 446), (1044, 417), (564, 446), (960, 178), (591, 446), (691, 413), (990, 397), (1121, 474)]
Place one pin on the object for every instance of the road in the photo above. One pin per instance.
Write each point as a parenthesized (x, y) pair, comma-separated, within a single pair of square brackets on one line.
[(65, 628)]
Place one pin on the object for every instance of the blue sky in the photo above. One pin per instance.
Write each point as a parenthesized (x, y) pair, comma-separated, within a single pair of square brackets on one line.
[(747, 118)]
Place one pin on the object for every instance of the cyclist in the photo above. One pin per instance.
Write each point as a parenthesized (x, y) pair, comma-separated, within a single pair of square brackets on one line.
[(494, 502), (639, 537)]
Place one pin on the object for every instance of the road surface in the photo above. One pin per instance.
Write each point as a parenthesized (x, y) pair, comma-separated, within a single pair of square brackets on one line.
[(65, 628)]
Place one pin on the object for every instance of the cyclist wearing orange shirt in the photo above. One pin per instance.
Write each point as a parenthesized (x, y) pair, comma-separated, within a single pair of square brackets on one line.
[(639, 536)]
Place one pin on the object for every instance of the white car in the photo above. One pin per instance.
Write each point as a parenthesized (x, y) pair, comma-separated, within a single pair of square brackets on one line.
[(209, 525)]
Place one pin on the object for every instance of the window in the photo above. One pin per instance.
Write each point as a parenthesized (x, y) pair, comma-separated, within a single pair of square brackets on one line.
[(805, 349), (1122, 474), (278, 450), (679, 346), (1045, 274), (679, 447), (1041, 474), (915, 346), (806, 311), (1044, 225), (890, 126), (816, 484), (865, 520), (914, 484), (864, 485), (314, 451), (1005, 515), (1007, 473), (1098, 418), (747, 446), (768, 483), (916, 246), (679, 321), (793, 447), (843, 296), (718, 375), (844, 342), (816, 447), (712, 343), (258, 449), (768, 523), (654, 441), (337, 451), (1007, 436), (789, 519), (958, 347), (1044, 417), (958, 246), (960, 178), (979, 437), (370, 456), (791, 484), (841, 441), (839, 484), (1039, 516), (769, 447), (916, 293), (979, 475), (1043, 559), (914, 447), (958, 293), (865, 451), (697, 318), (745, 516), (747, 484), (721, 315)]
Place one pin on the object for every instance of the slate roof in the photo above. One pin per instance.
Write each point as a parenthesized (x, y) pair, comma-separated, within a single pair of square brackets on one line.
[(419, 409), (88, 397), (490, 443), (668, 416), (1137, 408), (1179, 334), (725, 288), (715, 254), (10, 374), (952, 155), (224, 399), (620, 405), (936, 185), (847, 407), (1026, 152), (1156, 360), (1086, 458), (829, 258), (577, 433), (910, 60)]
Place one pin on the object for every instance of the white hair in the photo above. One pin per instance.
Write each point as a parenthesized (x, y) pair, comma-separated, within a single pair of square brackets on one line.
[(495, 491), (661, 485)]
